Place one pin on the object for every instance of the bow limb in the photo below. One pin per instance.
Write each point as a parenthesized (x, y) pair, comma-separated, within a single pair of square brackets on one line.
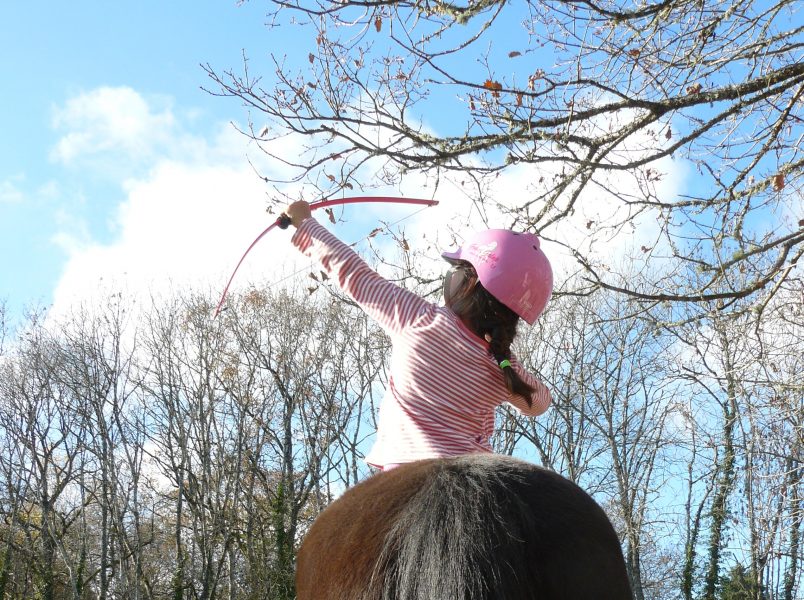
[(370, 199), (240, 262), (283, 222)]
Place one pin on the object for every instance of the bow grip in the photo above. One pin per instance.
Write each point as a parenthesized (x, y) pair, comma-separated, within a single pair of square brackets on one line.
[(283, 221)]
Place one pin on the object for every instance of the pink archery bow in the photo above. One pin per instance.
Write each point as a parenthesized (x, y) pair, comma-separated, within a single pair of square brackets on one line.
[(283, 222)]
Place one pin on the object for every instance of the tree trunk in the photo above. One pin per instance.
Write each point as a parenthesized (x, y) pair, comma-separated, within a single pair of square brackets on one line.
[(797, 515), (720, 509)]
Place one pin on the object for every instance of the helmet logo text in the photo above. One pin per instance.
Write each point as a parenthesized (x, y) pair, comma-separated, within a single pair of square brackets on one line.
[(485, 253)]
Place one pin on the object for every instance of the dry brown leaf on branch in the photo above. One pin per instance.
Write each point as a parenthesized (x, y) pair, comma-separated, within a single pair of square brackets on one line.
[(514, 54), (494, 86), (378, 24), (695, 88), (330, 214), (778, 182)]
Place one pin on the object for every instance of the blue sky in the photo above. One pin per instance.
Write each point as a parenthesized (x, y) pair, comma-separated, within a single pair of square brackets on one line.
[(53, 53)]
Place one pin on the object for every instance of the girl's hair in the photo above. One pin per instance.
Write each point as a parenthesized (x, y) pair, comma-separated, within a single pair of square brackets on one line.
[(485, 315)]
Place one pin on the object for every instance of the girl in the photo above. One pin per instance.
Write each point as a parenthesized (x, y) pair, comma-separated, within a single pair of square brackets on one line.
[(451, 366)]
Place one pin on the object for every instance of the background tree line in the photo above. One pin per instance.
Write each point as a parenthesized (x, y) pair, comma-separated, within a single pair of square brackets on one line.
[(152, 452)]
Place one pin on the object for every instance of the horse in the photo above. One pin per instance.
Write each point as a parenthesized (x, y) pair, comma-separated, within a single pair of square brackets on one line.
[(473, 527)]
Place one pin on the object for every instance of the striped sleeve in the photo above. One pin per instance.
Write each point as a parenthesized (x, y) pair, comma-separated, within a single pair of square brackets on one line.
[(541, 398), (392, 306)]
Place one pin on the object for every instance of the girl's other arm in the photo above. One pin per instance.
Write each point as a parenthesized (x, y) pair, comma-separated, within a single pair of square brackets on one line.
[(540, 399)]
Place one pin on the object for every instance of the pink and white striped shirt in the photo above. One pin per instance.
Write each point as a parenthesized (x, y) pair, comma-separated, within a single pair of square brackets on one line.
[(444, 384)]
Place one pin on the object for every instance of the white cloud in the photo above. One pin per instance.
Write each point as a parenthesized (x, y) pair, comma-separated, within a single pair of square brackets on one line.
[(10, 193), (185, 225), (112, 121), (185, 222)]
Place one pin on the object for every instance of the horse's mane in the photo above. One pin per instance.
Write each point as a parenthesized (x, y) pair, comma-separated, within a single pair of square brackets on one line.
[(448, 538)]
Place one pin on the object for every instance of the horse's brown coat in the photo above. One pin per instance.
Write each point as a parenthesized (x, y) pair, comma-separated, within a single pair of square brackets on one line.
[(476, 527)]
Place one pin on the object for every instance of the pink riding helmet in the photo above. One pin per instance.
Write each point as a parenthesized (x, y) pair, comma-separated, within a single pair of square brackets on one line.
[(512, 267)]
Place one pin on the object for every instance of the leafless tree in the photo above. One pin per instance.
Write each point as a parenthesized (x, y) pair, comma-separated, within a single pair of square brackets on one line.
[(598, 99), (607, 429), (771, 435), (744, 449), (4, 327), (97, 345), (255, 420), (566, 438), (45, 441), (195, 440), (298, 368)]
